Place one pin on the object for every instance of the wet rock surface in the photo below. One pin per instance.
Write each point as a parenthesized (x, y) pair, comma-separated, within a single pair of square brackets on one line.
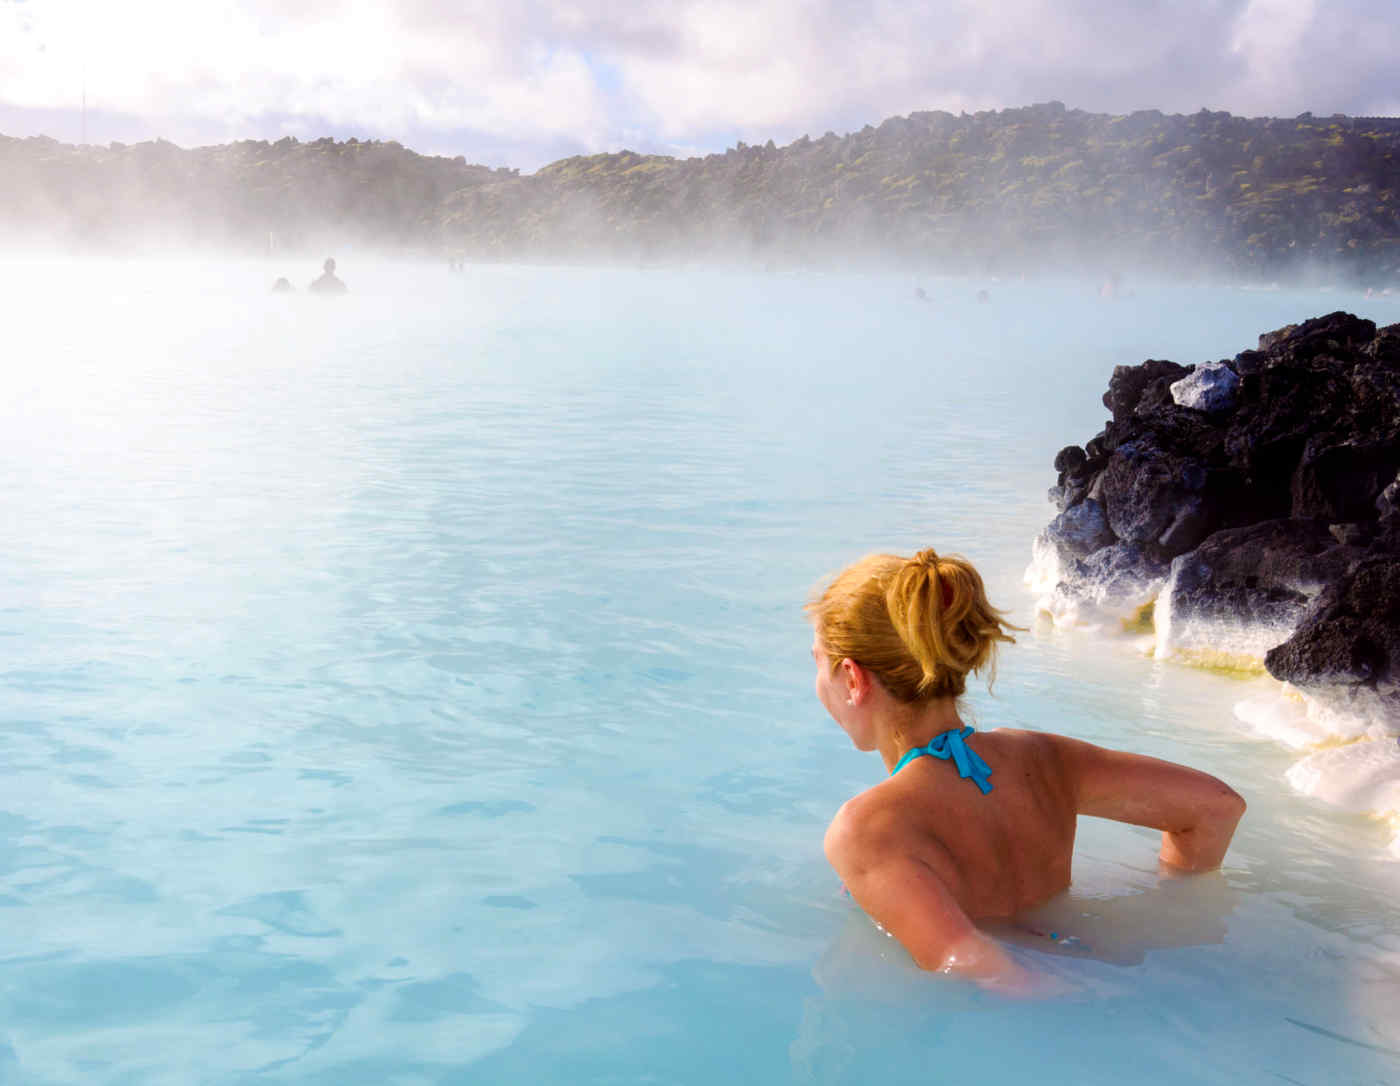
[(1269, 484), (1119, 579), (1351, 635), (1263, 577)]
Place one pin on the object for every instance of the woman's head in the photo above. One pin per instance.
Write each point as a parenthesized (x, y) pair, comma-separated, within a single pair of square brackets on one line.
[(917, 624)]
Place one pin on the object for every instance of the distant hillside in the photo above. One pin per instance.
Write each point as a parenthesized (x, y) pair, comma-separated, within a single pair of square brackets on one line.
[(1043, 186), (249, 195), (1039, 188)]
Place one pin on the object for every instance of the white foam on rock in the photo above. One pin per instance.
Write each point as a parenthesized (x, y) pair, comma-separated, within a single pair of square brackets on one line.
[(1116, 602), (1217, 643), (1043, 576), (1350, 732), (1045, 570), (1120, 605), (1212, 642), (1281, 718), (1348, 712), (1302, 721), (1354, 741), (1361, 777)]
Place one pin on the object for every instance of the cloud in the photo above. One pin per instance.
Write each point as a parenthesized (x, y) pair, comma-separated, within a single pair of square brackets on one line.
[(228, 67), (535, 79), (1321, 58)]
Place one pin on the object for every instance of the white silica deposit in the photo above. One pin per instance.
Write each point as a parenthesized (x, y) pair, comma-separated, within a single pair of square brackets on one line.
[(1042, 575), (1111, 595), (1349, 735), (1362, 777), (1309, 720), (1210, 641)]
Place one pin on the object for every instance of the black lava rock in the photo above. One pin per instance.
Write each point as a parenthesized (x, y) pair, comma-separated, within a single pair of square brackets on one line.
[(1340, 480), (1282, 511), (1266, 574), (1351, 636), (1070, 458), (1128, 383)]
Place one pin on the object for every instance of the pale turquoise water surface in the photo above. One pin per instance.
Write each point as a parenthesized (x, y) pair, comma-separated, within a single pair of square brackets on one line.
[(414, 689)]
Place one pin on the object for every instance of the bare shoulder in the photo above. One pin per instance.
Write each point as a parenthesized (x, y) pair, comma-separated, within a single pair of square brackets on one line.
[(878, 824), (866, 825), (1137, 787), (1031, 748), (892, 872), (1030, 741)]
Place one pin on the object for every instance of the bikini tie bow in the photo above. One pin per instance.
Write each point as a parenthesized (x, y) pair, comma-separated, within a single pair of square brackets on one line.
[(948, 745)]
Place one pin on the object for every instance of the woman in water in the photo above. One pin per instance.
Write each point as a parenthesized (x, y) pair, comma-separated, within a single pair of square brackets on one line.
[(970, 828)]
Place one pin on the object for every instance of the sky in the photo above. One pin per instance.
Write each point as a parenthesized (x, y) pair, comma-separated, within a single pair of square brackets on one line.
[(521, 83)]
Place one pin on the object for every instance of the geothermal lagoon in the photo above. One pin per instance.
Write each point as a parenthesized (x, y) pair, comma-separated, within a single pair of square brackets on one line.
[(414, 687)]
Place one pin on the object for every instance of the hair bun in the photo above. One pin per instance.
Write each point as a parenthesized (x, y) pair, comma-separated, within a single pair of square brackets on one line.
[(921, 624)]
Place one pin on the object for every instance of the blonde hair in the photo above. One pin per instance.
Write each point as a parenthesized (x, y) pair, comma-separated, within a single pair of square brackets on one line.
[(919, 624)]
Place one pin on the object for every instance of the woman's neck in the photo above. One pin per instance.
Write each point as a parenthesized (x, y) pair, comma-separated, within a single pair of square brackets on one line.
[(904, 727)]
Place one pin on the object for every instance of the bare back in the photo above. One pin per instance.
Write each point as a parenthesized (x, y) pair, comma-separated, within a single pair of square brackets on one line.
[(1005, 851), (926, 853)]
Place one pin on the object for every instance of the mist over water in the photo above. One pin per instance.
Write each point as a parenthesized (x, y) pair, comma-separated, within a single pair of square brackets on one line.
[(413, 686)]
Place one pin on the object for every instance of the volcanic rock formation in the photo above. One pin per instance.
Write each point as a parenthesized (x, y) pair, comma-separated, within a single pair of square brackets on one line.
[(1249, 509)]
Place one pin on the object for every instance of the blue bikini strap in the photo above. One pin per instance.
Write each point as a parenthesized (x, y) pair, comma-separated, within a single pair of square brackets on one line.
[(947, 745)]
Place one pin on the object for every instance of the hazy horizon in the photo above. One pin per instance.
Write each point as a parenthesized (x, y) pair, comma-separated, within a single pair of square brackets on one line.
[(681, 156), (524, 84)]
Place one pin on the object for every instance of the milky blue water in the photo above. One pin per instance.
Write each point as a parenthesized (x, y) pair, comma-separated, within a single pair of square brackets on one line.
[(415, 689)]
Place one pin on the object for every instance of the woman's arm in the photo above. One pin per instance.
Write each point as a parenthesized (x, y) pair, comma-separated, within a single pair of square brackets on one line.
[(1197, 813), (881, 867)]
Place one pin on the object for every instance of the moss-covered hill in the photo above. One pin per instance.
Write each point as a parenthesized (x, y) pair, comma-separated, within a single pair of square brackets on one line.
[(1041, 187)]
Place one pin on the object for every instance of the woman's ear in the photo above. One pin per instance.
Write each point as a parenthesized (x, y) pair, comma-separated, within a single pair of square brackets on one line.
[(856, 680)]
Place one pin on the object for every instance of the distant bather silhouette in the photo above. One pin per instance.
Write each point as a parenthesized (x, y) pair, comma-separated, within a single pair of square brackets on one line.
[(327, 283)]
